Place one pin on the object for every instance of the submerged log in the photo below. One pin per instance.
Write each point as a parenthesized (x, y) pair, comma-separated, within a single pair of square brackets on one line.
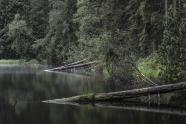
[(122, 95)]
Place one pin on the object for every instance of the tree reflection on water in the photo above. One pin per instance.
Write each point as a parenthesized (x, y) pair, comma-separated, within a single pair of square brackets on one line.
[(23, 88)]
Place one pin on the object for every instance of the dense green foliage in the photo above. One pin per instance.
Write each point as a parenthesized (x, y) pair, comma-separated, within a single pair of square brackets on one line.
[(125, 35), (150, 66)]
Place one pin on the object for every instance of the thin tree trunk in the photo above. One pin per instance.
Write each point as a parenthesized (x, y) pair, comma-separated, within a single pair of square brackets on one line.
[(174, 7), (166, 12)]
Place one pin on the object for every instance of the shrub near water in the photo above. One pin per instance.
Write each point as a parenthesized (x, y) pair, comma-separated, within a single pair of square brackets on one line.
[(153, 69), (150, 67)]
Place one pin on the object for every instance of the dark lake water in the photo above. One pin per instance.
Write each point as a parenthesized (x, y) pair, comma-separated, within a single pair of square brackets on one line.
[(23, 88)]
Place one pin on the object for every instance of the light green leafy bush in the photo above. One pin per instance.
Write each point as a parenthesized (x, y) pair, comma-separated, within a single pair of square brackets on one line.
[(149, 66)]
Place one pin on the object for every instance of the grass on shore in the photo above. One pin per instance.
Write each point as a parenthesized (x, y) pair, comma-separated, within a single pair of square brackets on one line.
[(17, 62)]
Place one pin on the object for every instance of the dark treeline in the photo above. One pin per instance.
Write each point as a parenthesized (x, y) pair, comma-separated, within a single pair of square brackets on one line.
[(128, 36)]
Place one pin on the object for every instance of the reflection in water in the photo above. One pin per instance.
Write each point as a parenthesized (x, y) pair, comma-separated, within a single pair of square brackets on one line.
[(23, 88)]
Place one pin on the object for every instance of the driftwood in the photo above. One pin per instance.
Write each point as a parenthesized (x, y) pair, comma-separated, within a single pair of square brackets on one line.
[(71, 64), (122, 95), (74, 66), (79, 65)]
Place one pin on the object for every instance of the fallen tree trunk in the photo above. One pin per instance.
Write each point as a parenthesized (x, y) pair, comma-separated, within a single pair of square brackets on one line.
[(122, 95), (71, 64), (77, 66)]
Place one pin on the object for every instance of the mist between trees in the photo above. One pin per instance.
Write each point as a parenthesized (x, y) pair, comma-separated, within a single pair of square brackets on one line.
[(130, 38)]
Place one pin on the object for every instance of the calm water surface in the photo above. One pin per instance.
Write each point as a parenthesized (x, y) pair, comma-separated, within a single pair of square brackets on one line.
[(23, 88)]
